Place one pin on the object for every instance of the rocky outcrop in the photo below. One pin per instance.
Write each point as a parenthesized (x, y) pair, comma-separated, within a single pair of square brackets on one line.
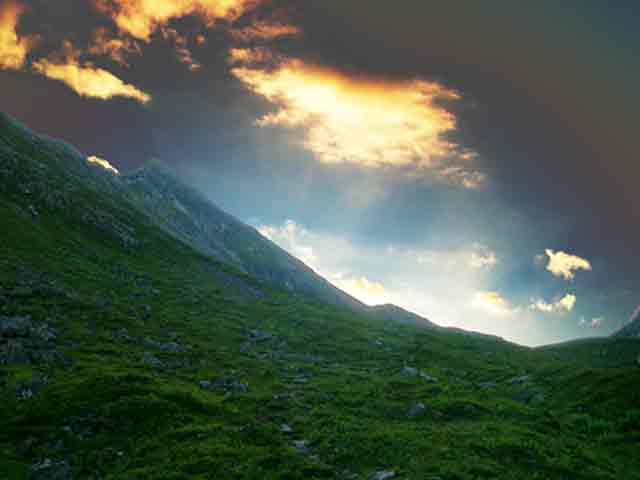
[(23, 341)]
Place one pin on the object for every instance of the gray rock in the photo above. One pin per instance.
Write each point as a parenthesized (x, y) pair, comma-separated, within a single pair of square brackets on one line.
[(409, 372), (12, 327), (152, 361), (259, 336), (284, 428), (414, 372), (301, 446), (487, 385), (205, 384), (519, 380), (383, 475), (417, 410), (231, 386), (51, 470), (167, 347), (428, 378)]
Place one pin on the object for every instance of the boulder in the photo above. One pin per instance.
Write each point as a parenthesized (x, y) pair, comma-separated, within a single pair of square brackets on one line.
[(417, 410), (49, 469), (383, 475)]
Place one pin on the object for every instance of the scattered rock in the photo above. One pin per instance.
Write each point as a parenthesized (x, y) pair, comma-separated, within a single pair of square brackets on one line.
[(428, 378), (301, 446), (409, 372), (259, 336), (167, 347), (487, 385), (23, 341), (205, 384), (231, 386), (417, 410), (383, 475), (152, 361), (530, 396), (51, 470), (414, 372), (519, 380)]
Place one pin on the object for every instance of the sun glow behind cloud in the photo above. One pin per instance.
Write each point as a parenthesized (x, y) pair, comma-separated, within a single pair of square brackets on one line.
[(356, 120), (13, 49)]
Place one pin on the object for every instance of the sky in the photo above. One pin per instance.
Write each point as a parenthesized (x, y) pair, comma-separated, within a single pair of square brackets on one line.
[(474, 163)]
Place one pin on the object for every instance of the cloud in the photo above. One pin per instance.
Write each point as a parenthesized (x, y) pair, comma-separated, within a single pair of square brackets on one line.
[(356, 120), (299, 242), (493, 303), (182, 51), (102, 163), (13, 48), (141, 18), (593, 323), (482, 258), (562, 264), (87, 80), (264, 30), (248, 56), (465, 177), (565, 304), (365, 290), (291, 237), (116, 48)]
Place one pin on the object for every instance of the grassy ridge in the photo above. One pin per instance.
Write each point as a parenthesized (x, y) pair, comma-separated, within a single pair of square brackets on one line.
[(140, 326)]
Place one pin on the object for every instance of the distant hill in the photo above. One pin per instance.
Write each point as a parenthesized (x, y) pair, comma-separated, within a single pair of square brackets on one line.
[(631, 329)]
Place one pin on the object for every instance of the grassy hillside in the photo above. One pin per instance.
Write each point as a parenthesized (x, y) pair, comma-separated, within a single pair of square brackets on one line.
[(126, 354)]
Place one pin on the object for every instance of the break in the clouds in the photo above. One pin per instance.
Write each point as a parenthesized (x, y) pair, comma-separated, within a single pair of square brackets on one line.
[(562, 264), (86, 79), (13, 48), (448, 286)]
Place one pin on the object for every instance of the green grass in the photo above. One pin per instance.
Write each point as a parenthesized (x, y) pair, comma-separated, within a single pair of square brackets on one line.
[(113, 417)]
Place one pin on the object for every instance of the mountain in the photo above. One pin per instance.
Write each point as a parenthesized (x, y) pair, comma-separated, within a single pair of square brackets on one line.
[(144, 334), (632, 328)]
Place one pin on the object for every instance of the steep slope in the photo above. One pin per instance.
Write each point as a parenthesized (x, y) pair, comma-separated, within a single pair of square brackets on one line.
[(187, 215), (127, 354), (631, 329), (179, 210)]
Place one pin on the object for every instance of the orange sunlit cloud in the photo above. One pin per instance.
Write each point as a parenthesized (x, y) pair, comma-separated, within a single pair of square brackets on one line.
[(141, 18), (115, 48), (262, 30), (87, 80), (102, 163), (356, 120), (13, 49)]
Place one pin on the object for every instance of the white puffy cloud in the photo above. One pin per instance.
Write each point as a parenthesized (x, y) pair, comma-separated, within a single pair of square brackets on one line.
[(493, 303), (564, 304), (562, 264)]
